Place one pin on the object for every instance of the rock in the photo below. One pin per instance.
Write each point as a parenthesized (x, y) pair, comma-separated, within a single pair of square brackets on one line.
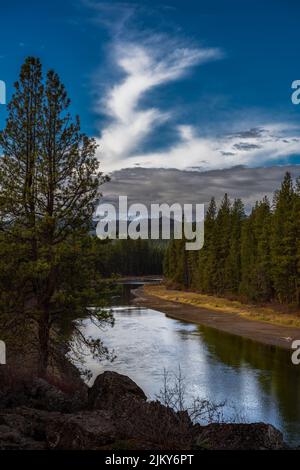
[(109, 388), (133, 422), (152, 425), (85, 430), (22, 428), (254, 436), (39, 394), (115, 416), (48, 397)]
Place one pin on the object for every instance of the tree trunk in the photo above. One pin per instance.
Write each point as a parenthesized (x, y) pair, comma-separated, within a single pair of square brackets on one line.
[(44, 333)]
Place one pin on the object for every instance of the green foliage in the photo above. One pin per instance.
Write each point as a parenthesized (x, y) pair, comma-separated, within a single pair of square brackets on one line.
[(128, 257), (256, 261), (284, 243), (256, 257), (49, 181)]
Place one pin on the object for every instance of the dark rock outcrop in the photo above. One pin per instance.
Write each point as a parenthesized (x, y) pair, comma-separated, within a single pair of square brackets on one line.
[(23, 428), (109, 388), (114, 415), (80, 431), (254, 436), (38, 393)]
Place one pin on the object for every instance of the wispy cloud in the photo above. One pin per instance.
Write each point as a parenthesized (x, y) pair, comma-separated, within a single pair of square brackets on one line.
[(112, 15), (146, 60), (145, 67)]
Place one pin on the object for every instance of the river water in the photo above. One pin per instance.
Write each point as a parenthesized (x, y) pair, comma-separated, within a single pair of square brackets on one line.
[(256, 382)]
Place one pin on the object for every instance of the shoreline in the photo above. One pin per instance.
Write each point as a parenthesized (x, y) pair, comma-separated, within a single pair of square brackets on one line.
[(266, 333)]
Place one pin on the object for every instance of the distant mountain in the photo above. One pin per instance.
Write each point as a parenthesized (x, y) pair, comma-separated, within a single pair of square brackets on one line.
[(162, 221)]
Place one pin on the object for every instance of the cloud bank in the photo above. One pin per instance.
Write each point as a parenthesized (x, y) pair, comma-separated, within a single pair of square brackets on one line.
[(170, 185)]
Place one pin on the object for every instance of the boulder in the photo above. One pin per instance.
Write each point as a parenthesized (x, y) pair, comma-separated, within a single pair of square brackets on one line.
[(22, 428), (109, 388), (152, 425), (85, 430), (254, 436), (38, 393)]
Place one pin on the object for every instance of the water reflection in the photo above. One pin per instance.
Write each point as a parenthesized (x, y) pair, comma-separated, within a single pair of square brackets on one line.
[(278, 378), (258, 382)]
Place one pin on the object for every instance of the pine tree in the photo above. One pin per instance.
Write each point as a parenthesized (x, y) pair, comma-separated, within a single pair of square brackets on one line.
[(262, 269), (207, 258), (296, 219), (256, 282), (222, 235), (233, 262), (49, 182), (296, 227), (248, 254), (284, 243)]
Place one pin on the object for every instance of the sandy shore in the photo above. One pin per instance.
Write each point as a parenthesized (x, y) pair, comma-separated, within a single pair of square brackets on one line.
[(266, 333)]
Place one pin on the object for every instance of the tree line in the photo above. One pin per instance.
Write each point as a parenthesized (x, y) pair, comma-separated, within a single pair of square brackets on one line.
[(254, 257), (129, 257)]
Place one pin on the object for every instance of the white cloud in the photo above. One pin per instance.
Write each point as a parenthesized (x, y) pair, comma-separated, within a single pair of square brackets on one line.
[(270, 143), (159, 62), (145, 66)]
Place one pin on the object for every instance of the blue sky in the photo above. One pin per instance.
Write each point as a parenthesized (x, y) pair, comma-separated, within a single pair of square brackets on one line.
[(191, 85)]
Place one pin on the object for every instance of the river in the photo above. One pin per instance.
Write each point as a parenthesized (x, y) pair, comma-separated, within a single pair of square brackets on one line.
[(258, 383)]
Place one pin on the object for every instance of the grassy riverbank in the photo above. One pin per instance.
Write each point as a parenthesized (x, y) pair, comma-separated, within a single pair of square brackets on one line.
[(251, 312)]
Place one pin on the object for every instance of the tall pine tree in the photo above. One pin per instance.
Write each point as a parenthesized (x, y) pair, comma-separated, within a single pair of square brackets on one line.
[(49, 180)]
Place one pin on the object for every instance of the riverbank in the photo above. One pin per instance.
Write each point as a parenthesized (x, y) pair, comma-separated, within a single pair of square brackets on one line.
[(230, 318)]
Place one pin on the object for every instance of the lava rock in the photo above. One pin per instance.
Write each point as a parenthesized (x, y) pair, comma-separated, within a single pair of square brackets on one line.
[(254, 436), (39, 394), (109, 388)]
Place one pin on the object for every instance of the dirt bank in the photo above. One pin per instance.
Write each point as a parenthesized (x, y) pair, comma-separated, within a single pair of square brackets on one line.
[(263, 332)]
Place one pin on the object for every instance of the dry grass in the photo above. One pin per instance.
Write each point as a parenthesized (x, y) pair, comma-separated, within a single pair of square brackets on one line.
[(218, 304)]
